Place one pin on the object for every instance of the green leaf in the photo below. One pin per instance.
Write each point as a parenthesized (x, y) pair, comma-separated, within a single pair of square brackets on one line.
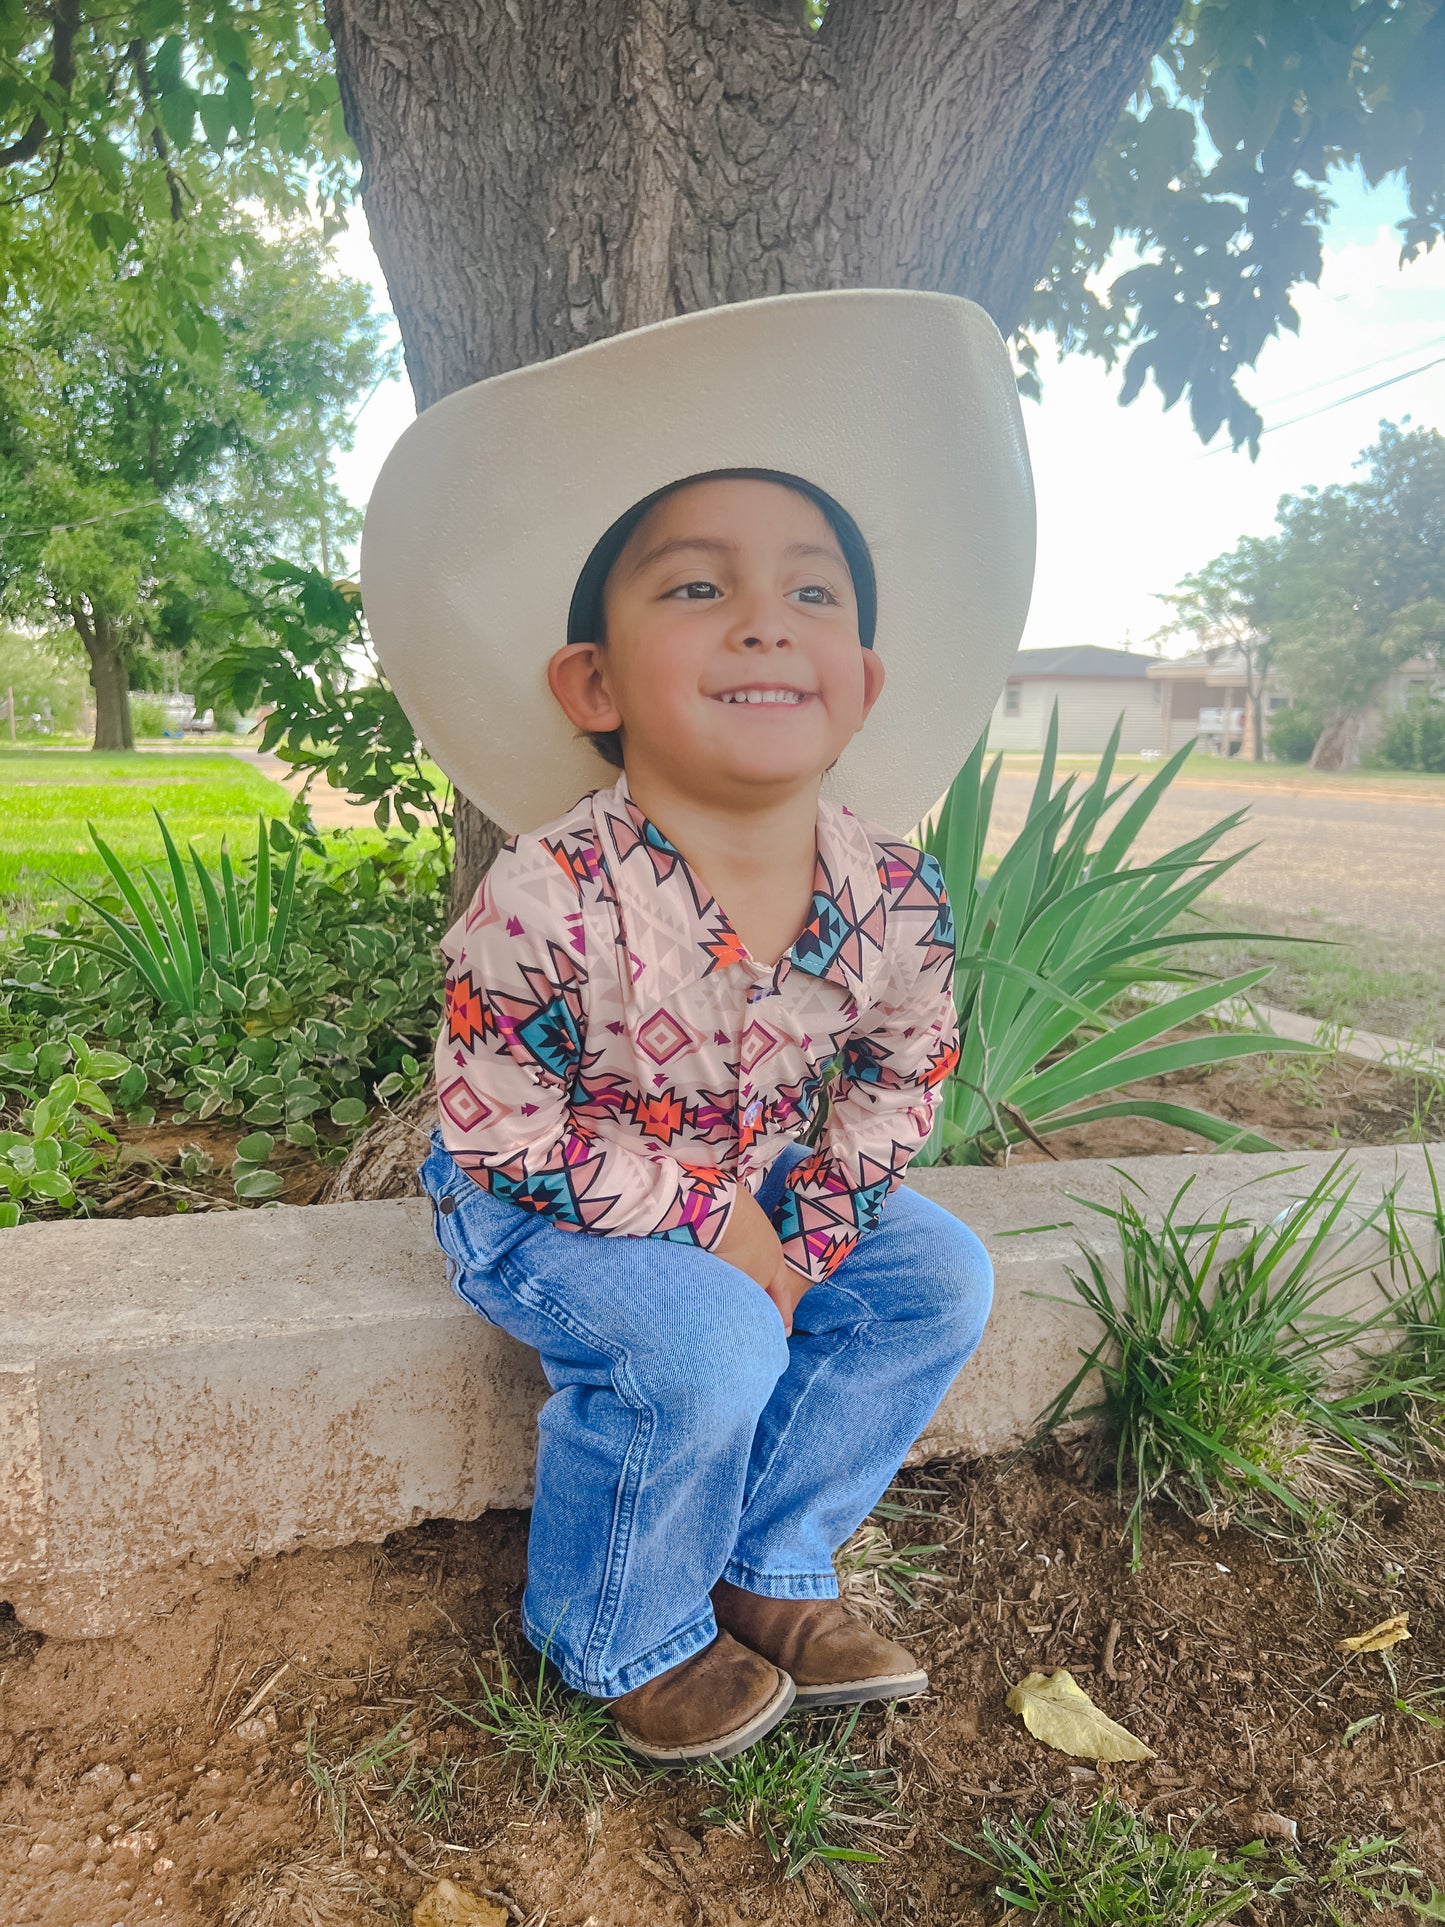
[(348, 1110), (215, 113), (257, 1147), (258, 1184)]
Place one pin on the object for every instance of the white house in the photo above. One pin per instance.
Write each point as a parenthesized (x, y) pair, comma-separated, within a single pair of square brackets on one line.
[(1093, 688)]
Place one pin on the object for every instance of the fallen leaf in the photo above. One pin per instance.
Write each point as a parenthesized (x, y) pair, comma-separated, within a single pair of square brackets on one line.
[(1270, 1826), (1379, 1638), (1056, 1710), (448, 1905)]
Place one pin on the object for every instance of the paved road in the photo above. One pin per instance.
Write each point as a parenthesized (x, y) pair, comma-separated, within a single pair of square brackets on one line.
[(1374, 860)]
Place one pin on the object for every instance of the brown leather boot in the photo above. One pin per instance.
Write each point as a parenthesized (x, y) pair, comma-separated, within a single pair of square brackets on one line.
[(832, 1657), (718, 1703)]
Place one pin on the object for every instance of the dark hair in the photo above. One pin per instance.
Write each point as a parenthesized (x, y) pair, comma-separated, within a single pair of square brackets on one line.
[(585, 615)]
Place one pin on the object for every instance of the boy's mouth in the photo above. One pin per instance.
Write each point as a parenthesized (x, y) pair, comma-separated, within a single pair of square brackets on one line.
[(756, 695)]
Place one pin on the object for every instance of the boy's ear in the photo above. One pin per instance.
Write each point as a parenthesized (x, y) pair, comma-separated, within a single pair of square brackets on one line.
[(576, 675), (873, 676)]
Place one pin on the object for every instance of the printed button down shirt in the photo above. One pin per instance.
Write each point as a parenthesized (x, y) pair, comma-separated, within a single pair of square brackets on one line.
[(612, 1056)]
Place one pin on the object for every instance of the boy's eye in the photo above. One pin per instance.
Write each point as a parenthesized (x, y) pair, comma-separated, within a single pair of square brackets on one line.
[(820, 590), (708, 590)]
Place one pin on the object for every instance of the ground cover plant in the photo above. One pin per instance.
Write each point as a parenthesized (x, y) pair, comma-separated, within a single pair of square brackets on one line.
[(288, 997), (48, 797), (1052, 939)]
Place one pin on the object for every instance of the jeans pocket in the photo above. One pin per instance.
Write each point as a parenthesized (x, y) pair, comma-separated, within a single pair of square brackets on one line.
[(474, 1229)]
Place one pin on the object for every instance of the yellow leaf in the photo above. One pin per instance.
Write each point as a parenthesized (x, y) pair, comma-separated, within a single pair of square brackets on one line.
[(1379, 1638), (1059, 1712), (448, 1905)]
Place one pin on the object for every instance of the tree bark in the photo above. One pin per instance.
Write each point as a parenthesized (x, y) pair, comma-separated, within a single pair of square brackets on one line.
[(539, 174), (108, 677), (1338, 744)]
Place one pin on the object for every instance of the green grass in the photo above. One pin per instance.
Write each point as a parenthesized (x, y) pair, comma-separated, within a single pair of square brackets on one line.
[(562, 1745), (1233, 771), (807, 1799), (48, 796), (1108, 1868), (1382, 981)]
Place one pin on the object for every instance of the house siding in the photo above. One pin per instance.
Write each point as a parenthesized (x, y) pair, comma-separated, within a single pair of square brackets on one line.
[(1088, 710)]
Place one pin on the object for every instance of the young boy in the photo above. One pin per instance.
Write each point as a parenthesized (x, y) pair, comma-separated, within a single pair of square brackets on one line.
[(743, 1336)]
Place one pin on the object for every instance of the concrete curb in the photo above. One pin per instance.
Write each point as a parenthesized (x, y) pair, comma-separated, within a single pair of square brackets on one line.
[(192, 1392)]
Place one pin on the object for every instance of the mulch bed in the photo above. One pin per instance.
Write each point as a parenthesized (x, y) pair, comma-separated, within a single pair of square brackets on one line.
[(129, 1793)]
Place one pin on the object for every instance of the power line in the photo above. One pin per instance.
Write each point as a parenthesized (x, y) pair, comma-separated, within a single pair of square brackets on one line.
[(1342, 401), (1347, 374)]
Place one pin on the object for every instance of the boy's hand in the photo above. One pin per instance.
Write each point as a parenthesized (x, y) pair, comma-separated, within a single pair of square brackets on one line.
[(751, 1243)]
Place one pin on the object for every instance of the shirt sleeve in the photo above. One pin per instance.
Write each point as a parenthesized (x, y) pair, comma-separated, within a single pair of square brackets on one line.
[(509, 1058), (884, 1097)]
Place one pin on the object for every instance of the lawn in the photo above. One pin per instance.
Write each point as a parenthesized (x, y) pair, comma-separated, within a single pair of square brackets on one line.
[(48, 796), (1236, 772), (1378, 980)]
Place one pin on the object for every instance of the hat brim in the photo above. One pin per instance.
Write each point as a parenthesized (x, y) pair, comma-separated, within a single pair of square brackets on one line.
[(902, 406)]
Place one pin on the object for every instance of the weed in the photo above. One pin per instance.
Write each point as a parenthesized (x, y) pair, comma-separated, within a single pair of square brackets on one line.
[(336, 1784), (1108, 1868), (804, 1798), (562, 1744), (1216, 1357)]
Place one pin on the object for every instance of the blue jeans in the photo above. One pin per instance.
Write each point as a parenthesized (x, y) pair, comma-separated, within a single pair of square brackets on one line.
[(688, 1439)]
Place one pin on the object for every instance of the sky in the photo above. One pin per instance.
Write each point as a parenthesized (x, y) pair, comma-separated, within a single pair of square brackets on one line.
[(1129, 499)]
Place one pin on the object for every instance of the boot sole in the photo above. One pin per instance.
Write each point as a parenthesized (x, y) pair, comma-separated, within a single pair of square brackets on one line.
[(853, 1692), (728, 1745)]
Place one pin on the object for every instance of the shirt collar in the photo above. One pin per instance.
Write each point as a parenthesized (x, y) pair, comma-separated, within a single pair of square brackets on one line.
[(842, 939)]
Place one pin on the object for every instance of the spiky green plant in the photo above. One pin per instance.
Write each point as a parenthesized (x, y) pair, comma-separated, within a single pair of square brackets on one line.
[(1065, 925), (173, 944), (1226, 1384)]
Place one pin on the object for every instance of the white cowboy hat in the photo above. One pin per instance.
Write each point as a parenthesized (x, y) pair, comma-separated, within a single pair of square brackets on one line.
[(901, 406)]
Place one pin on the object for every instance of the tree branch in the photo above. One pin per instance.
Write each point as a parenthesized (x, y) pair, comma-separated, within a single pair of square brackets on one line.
[(141, 64), (62, 76)]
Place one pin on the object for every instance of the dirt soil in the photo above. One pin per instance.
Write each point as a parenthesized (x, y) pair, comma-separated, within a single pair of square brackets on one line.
[(162, 1777)]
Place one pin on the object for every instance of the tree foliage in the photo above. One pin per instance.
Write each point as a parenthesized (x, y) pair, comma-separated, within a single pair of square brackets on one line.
[(1350, 586), (115, 119), (1217, 178), (142, 485)]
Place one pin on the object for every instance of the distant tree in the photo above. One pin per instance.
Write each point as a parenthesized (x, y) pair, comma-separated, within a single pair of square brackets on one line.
[(141, 487), (1223, 604), (1352, 583)]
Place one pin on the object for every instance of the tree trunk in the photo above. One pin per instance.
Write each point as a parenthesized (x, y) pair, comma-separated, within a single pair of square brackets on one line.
[(1338, 745), (108, 677), (539, 174)]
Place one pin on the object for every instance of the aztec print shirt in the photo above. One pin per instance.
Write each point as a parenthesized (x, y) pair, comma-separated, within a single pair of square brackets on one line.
[(612, 1056)]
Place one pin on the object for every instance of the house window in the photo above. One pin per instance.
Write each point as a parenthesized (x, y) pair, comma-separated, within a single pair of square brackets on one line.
[(1011, 699)]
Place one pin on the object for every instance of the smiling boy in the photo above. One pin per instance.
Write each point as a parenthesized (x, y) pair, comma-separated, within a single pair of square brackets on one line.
[(743, 1334)]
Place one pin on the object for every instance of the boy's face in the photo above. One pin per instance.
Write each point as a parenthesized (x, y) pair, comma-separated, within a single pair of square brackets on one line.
[(732, 657)]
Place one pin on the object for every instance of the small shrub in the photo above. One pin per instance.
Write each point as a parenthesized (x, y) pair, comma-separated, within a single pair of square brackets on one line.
[(314, 1029), (1414, 734), (1292, 734), (149, 716)]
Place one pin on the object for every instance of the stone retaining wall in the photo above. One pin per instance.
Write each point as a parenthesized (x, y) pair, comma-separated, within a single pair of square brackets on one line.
[(191, 1392)]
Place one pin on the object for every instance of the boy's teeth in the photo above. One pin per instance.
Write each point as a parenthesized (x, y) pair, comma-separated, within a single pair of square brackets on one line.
[(763, 696)]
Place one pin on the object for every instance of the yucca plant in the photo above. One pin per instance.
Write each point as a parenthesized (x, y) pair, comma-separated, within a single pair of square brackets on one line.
[(1052, 939), (172, 947)]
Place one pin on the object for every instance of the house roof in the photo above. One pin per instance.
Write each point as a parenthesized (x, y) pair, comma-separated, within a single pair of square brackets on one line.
[(1074, 662)]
